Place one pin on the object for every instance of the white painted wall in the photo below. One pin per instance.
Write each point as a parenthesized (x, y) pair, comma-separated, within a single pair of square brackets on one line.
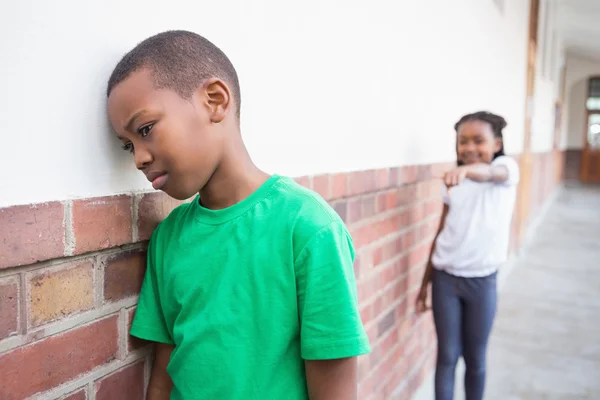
[(550, 59), (357, 84), (579, 70)]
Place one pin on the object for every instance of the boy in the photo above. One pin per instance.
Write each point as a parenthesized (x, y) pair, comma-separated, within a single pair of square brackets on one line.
[(249, 291)]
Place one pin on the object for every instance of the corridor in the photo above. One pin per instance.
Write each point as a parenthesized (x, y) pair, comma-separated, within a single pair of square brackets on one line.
[(546, 339)]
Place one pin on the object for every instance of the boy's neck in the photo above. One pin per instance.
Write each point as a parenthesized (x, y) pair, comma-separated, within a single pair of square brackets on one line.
[(236, 178)]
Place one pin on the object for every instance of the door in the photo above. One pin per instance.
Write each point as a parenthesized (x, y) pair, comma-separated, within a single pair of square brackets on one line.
[(590, 158)]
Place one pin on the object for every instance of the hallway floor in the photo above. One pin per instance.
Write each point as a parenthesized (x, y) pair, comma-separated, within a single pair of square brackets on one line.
[(546, 338)]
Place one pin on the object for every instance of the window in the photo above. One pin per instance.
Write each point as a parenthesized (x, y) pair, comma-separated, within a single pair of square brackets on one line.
[(593, 100)]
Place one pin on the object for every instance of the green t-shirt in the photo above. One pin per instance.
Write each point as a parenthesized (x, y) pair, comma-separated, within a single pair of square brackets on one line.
[(246, 294)]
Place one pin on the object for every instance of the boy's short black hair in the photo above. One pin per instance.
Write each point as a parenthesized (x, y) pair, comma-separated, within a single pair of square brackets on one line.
[(180, 61)]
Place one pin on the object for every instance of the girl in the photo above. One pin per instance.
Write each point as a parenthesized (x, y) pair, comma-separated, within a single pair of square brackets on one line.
[(472, 242)]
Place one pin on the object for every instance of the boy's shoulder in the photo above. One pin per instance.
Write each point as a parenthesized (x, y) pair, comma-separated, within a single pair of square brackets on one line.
[(288, 203), (176, 218), (307, 213), (304, 206)]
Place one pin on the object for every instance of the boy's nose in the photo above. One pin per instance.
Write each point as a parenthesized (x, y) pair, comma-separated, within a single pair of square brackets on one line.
[(142, 158)]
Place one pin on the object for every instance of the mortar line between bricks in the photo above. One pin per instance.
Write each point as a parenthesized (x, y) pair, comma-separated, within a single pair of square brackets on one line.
[(392, 351), (384, 312), (90, 377), (22, 304), (389, 332), (122, 338), (77, 321), (385, 264), (407, 336), (67, 259), (386, 214), (412, 372), (369, 301), (69, 238), (393, 236), (389, 187), (135, 208), (99, 266), (389, 354), (90, 393)]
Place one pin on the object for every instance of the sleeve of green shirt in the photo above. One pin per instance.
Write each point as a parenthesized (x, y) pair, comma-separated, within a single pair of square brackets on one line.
[(330, 324), (149, 321)]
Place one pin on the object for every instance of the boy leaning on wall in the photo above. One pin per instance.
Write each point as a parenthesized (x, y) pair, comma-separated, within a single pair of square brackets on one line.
[(249, 291)]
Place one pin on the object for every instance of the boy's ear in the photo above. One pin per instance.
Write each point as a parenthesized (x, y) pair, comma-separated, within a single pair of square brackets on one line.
[(217, 99)]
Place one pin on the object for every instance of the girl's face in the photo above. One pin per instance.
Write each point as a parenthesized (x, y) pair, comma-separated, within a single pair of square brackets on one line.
[(476, 143)]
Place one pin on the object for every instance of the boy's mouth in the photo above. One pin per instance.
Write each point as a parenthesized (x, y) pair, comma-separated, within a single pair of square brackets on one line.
[(158, 179)]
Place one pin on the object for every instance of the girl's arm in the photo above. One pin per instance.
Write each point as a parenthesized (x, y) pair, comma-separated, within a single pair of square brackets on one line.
[(487, 173), (428, 269), (421, 305), (477, 172)]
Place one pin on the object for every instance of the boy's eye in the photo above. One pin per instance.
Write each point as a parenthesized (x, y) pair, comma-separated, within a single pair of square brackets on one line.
[(128, 147), (145, 130)]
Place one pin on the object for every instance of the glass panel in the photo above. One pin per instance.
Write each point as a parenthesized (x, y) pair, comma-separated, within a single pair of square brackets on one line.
[(594, 131), (594, 90), (593, 103)]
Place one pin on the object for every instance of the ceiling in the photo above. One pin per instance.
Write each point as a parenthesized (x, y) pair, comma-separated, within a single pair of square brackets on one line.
[(579, 22)]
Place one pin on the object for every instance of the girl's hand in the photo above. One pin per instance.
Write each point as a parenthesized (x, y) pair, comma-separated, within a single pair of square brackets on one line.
[(421, 304), (455, 177)]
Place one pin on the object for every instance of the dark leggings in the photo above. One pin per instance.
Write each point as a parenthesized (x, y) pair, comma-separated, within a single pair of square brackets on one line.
[(463, 312)]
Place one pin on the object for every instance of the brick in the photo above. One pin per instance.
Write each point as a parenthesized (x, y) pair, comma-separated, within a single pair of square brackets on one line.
[(362, 182), (101, 223), (423, 172), (57, 292), (126, 383), (368, 206), (367, 288), (31, 233), (303, 181), (359, 265), (50, 362), (354, 210), (368, 233), (9, 307), (133, 343), (387, 201), (402, 308), (339, 185), (341, 207), (383, 178), (394, 176), (321, 186), (124, 274), (407, 195), (152, 209), (77, 395), (407, 175)]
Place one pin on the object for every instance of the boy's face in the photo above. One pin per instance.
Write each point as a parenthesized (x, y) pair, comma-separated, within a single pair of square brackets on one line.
[(175, 142), (476, 143)]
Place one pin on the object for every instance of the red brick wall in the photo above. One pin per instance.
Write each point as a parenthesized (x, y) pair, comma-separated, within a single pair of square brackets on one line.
[(70, 273), (547, 172)]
